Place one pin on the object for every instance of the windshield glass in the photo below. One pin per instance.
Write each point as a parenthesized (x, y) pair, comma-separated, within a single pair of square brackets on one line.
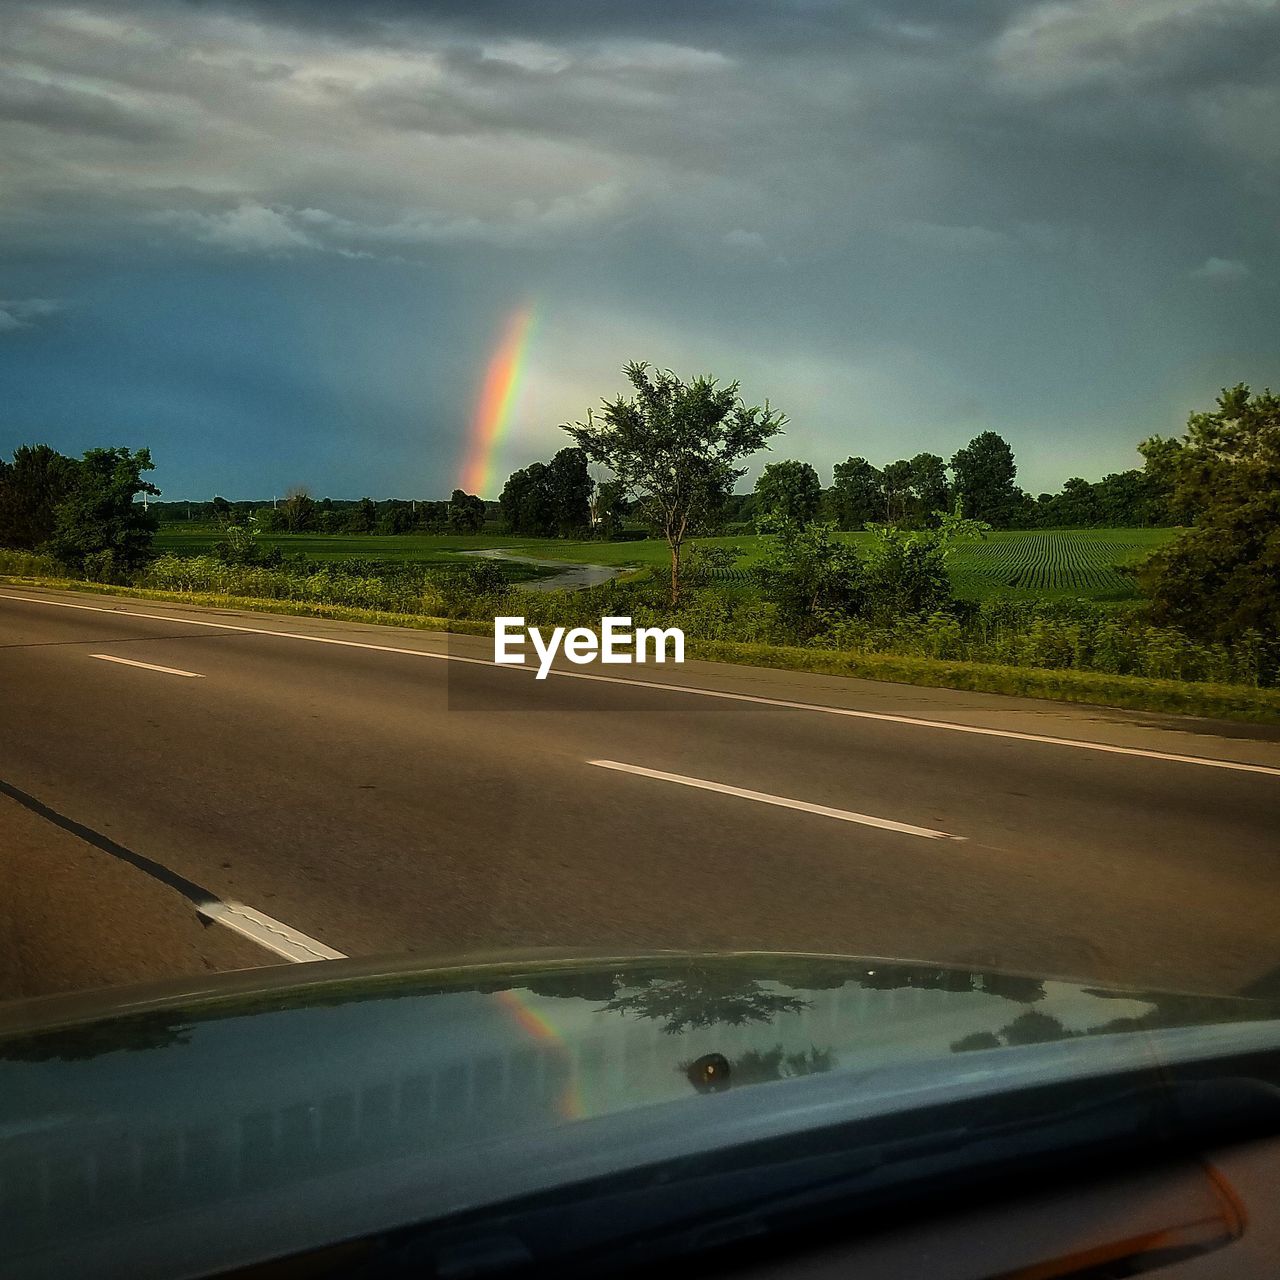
[(644, 578)]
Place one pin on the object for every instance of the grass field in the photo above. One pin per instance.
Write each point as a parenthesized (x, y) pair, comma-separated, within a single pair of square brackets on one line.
[(1077, 563)]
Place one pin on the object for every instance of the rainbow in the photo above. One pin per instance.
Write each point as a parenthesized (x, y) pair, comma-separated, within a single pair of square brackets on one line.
[(570, 1104), (497, 399)]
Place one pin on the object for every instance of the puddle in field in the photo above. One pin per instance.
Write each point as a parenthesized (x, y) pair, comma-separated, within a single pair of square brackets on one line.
[(572, 578)]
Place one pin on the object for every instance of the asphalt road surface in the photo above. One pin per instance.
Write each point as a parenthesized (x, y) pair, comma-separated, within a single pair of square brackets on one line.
[(185, 789)]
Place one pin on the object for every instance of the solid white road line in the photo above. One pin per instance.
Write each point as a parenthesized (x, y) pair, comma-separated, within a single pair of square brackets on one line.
[(147, 666), (1015, 735), (269, 933), (783, 802)]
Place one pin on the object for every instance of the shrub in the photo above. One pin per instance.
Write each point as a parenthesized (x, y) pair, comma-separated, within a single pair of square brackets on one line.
[(27, 564), (814, 579)]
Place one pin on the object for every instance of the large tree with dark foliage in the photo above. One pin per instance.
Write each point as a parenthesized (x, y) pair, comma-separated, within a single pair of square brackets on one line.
[(99, 530), (896, 481), (569, 485), (526, 501), (466, 512), (1076, 507), (788, 490), (930, 492), (857, 493), (675, 446), (31, 488), (1222, 577), (547, 499), (984, 472)]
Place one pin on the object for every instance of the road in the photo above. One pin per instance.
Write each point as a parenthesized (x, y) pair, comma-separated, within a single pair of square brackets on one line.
[(366, 790)]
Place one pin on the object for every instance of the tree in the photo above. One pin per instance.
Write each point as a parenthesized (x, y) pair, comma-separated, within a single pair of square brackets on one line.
[(364, 517), (1221, 579), (433, 516), (100, 530), (675, 447), (788, 490), (740, 508), (299, 510), (398, 517), (526, 501), (569, 486), (984, 472), (929, 489), (1123, 499), (896, 486), (1075, 507), (1160, 457), (1131, 498), (1021, 511), (549, 499), (703, 998), (466, 512), (31, 488), (812, 577), (857, 493), (220, 510), (906, 573)]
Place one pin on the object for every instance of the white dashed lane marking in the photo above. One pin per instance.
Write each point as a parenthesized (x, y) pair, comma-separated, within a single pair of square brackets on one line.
[(147, 666), (782, 802)]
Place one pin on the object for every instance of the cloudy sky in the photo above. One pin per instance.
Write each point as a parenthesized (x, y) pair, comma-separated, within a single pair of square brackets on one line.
[(277, 242)]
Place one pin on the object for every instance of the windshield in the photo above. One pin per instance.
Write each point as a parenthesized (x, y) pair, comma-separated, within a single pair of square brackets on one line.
[(585, 583)]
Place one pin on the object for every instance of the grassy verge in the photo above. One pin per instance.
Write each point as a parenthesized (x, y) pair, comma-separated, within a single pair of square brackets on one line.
[(290, 608), (1192, 698), (1136, 693)]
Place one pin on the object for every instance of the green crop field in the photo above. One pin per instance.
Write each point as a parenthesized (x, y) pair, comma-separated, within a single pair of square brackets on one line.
[(1088, 563), (185, 539)]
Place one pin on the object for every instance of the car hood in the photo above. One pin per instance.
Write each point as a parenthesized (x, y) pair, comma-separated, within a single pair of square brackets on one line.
[(388, 1091)]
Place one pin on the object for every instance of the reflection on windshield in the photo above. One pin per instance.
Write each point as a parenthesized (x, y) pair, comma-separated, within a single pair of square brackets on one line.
[(702, 1000), (421, 1063)]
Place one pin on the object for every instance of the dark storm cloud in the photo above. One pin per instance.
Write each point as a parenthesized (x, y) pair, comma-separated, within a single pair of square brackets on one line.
[(989, 113), (71, 111)]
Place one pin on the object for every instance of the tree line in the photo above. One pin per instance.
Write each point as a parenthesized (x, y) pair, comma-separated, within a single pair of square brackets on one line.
[(559, 498), (911, 492), (299, 512)]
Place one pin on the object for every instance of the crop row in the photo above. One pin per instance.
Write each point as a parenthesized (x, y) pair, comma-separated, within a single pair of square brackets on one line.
[(1049, 562)]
